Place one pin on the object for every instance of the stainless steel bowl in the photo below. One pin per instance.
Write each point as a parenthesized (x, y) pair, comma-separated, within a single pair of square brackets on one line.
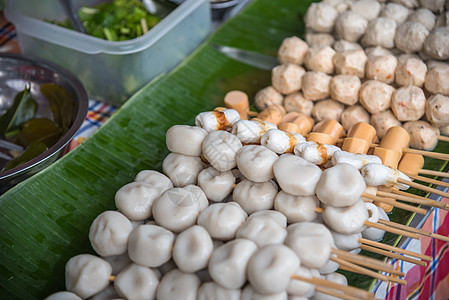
[(16, 71)]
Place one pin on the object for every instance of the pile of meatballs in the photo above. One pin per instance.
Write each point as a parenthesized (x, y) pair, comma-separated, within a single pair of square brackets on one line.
[(379, 62)]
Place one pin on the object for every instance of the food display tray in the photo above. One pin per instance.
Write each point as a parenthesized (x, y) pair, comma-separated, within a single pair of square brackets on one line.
[(45, 220)]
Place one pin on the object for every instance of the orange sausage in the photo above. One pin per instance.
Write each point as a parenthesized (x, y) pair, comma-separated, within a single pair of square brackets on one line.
[(411, 163), (329, 132), (359, 139), (388, 157), (305, 123), (290, 117), (289, 127), (272, 114), (390, 148), (238, 100)]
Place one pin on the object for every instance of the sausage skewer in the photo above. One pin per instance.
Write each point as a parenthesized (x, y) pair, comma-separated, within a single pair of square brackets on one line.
[(415, 230)]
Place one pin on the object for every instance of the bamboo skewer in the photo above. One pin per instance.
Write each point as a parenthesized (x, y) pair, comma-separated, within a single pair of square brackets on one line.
[(366, 261), (443, 138), (393, 255), (396, 204), (433, 173), (436, 155), (411, 199), (415, 230), (427, 180), (395, 249), (336, 294), (349, 290), (367, 271), (423, 187)]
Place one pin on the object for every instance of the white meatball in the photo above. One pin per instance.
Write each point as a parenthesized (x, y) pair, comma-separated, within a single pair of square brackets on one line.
[(410, 36), (319, 39), (375, 234), (346, 242), (292, 50), (217, 120), (296, 208), (311, 242), (109, 233), (64, 295), (118, 262), (178, 285), (340, 185), (436, 43), (344, 45), (159, 180), (395, 11), (423, 136), (315, 85), (350, 63), (262, 230), (380, 32), (254, 196), (329, 268), (298, 288), (437, 110), (354, 159), (339, 5), (228, 263), (198, 195), (219, 148), (297, 103), (442, 20), (266, 97), (353, 115), (211, 290), (320, 17), (316, 153), (383, 121), (378, 174), (184, 139), (328, 110), (381, 68), (248, 293), (368, 9), (345, 89), (280, 218), (279, 141), (270, 268), (256, 162), (222, 220), (182, 169), (87, 275), (216, 185), (286, 78), (375, 96), (150, 245), (423, 16), (320, 59), (296, 176), (348, 219), (333, 277), (136, 282), (176, 209), (192, 249), (411, 71), (135, 200), (408, 103), (437, 80), (250, 131)]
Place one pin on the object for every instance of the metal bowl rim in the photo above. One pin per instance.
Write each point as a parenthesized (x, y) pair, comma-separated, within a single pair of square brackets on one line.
[(83, 103)]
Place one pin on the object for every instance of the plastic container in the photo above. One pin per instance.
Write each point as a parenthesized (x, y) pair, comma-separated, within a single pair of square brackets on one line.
[(110, 71)]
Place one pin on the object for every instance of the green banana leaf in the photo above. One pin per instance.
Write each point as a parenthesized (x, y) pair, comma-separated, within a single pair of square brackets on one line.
[(45, 220)]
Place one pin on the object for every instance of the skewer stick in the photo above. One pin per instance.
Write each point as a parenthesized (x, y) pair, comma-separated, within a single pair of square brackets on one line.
[(395, 249), (368, 272), (443, 138), (111, 277), (415, 230), (333, 293), (433, 173), (411, 199), (398, 192), (382, 227), (427, 180), (436, 155), (404, 206), (423, 187), (366, 261), (393, 255), (393, 230), (349, 290)]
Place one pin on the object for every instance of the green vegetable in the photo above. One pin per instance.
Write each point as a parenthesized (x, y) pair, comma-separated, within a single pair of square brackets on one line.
[(41, 130), (62, 104), (33, 150), (120, 20), (23, 109)]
